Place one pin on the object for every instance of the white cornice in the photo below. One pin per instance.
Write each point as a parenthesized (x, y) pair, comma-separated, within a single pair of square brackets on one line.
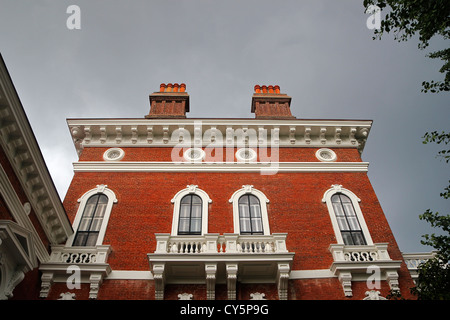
[(207, 132), (268, 168), (20, 145)]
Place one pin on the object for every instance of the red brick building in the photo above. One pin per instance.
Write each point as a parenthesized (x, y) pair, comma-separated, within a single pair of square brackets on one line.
[(32, 217), (271, 207), (167, 207)]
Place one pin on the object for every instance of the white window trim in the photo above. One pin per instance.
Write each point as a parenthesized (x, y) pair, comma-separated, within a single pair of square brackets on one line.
[(355, 201), (101, 189), (190, 189), (248, 189)]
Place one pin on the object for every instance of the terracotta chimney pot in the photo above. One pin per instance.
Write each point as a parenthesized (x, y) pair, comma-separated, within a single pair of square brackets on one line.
[(270, 89), (257, 89), (264, 89), (162, 87), (169, 87), (277, 89), (182, 87), (175, 87)]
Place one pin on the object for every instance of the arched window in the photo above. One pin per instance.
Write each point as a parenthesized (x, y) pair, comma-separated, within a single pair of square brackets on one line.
[(92, 217), (250, 211), (190, 212), (347, 220), (190, 220), (346, 216), (91, 221), (250, 218)]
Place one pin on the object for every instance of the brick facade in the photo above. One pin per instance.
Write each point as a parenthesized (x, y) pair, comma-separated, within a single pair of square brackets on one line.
[(296, 207)]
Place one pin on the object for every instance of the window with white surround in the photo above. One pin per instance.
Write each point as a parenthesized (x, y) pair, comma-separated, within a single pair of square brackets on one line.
[(190, 212), (250, 211), (92, 217), (346, 216)]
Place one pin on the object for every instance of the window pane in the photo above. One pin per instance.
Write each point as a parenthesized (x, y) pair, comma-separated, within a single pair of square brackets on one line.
[(344, 198), (257, 226), (347, 237), (190, 219), (244, 210), (342, 222), (358, 238), (250, 214), (196, 226), (348, 208), (186, 200), (353, 222), (92, 239), (185, 211), (80, 239), (196, 211), (338, 210), (335, 198), (245, 225), (196, 199), (183, 225), (255, 210), (91, 221)]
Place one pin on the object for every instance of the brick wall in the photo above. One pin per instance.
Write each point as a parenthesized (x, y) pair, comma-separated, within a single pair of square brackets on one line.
[(144, 208)]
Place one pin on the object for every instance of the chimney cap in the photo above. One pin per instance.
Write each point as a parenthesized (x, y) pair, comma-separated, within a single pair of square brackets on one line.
[(267, 89)]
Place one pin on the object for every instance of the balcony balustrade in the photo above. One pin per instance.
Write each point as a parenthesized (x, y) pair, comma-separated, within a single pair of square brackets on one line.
[(90, 261), (353, 263), (226, 258), (227, 243)]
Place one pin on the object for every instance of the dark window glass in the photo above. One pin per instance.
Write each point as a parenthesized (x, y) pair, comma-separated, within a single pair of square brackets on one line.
[(347, 220), (91, 221), (190, 220), (250, 218)]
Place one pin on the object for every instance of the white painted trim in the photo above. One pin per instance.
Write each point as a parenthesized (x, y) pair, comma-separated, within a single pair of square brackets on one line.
[(329, 151), (187, 155), (252, 158), (355, 201), (147, 275), (23, 153), (106, 156), (167, 166), (217, 122), (129, 275), (17, 210), (191, 189), (311, 274), (204, 132), (248, 189), (100, 189)]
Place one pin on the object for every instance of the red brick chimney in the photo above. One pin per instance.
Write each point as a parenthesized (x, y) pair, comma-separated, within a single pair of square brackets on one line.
[(170, 102), (269, 103)]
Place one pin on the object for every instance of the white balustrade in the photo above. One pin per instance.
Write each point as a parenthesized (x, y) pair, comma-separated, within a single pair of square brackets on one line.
[(227, 243), (367, 253), (79, 255)]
